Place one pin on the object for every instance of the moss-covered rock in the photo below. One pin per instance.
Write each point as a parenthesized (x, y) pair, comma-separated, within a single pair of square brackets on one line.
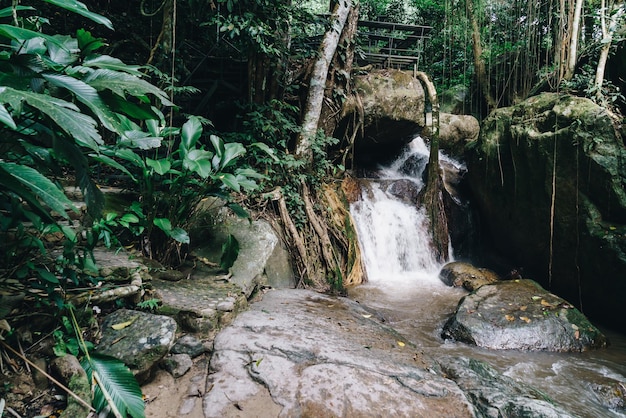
[(548, 176)]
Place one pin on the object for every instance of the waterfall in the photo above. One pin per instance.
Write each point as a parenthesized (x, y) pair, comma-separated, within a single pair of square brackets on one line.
[(393, 232)]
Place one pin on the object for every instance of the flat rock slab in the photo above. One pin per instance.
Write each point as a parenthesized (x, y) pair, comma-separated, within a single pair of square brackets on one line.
[(317, 355), (520, 314), (201, 303)]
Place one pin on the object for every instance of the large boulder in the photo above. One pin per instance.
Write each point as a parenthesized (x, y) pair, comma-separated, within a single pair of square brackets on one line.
[(392, 104), (520, 314), (548, 176)]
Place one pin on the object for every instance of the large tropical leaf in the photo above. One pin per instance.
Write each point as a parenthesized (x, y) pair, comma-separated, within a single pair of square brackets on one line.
[(9, 183), (140, 140), (122, 106), (87, 43), (89, 96), (122, 83), (192, 129), (5, 117), (79, 8), (8, 11), (109, 63), (20, 35), (66, 55), (65, 114), (118, 381), (40, 185), (198, 161), (93, 196), (161, 166)]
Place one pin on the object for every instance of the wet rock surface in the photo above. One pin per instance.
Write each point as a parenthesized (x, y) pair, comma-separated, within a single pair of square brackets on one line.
[(496, 395), (460, 274), (308, 354), (520, 314), (140, 341)]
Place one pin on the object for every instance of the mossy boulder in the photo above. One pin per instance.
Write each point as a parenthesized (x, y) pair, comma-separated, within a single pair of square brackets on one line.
[(548, 178)]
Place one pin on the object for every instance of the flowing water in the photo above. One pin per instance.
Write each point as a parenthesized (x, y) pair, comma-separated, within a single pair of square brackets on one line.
[(403, 285)]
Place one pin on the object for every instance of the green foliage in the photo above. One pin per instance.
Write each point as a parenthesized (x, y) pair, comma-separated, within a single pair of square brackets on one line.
[(67, 342), (118, 383), (59, 101), (230, 251), (149, 304), (173, 170), (583, 84)]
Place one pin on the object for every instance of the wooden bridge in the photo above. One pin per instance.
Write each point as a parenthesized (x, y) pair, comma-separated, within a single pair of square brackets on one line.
[(391, 45)]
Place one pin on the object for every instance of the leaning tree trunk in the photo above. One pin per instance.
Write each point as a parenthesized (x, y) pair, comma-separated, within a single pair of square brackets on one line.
[(323, 257), (319, 75), (432, 198)]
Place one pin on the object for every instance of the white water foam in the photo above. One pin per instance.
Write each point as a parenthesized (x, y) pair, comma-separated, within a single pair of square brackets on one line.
[(394, 235)]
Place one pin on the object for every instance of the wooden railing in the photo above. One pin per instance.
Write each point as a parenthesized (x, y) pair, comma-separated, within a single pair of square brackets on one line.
[(391, 45)]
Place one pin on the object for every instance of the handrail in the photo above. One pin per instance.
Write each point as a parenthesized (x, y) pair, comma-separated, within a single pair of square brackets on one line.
[(391, 44)]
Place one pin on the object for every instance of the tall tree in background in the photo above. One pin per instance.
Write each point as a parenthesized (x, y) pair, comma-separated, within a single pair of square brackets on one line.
[(616, 12), (480, 71)]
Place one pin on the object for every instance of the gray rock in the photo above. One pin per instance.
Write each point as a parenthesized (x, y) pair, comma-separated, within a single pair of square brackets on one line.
[(188, 344), (455, 132), (611, 393), (520, 314), (511, 169), (177, 364), (318, 355), (141, 344), (73, 376), (459, 274), (496, 395), (257, 242)]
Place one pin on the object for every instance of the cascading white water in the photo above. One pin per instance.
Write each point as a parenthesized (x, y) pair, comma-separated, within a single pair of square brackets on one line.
[(393, 235)]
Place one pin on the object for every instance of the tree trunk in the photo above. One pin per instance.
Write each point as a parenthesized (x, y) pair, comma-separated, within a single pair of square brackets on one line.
[(432, 197), (338, 79), (607, 38), (574, 36), (479, 62), (317, 84)]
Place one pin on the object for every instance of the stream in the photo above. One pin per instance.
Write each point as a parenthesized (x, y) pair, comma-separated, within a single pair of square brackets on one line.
[(403, 286)]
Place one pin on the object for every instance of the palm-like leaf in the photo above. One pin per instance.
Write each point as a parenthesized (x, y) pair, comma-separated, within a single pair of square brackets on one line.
[(109, 63), (65, 114), (40, 185), (79, 8), (20, 34), (122, 83), (87, 95), (118, 382), (5, 117)]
